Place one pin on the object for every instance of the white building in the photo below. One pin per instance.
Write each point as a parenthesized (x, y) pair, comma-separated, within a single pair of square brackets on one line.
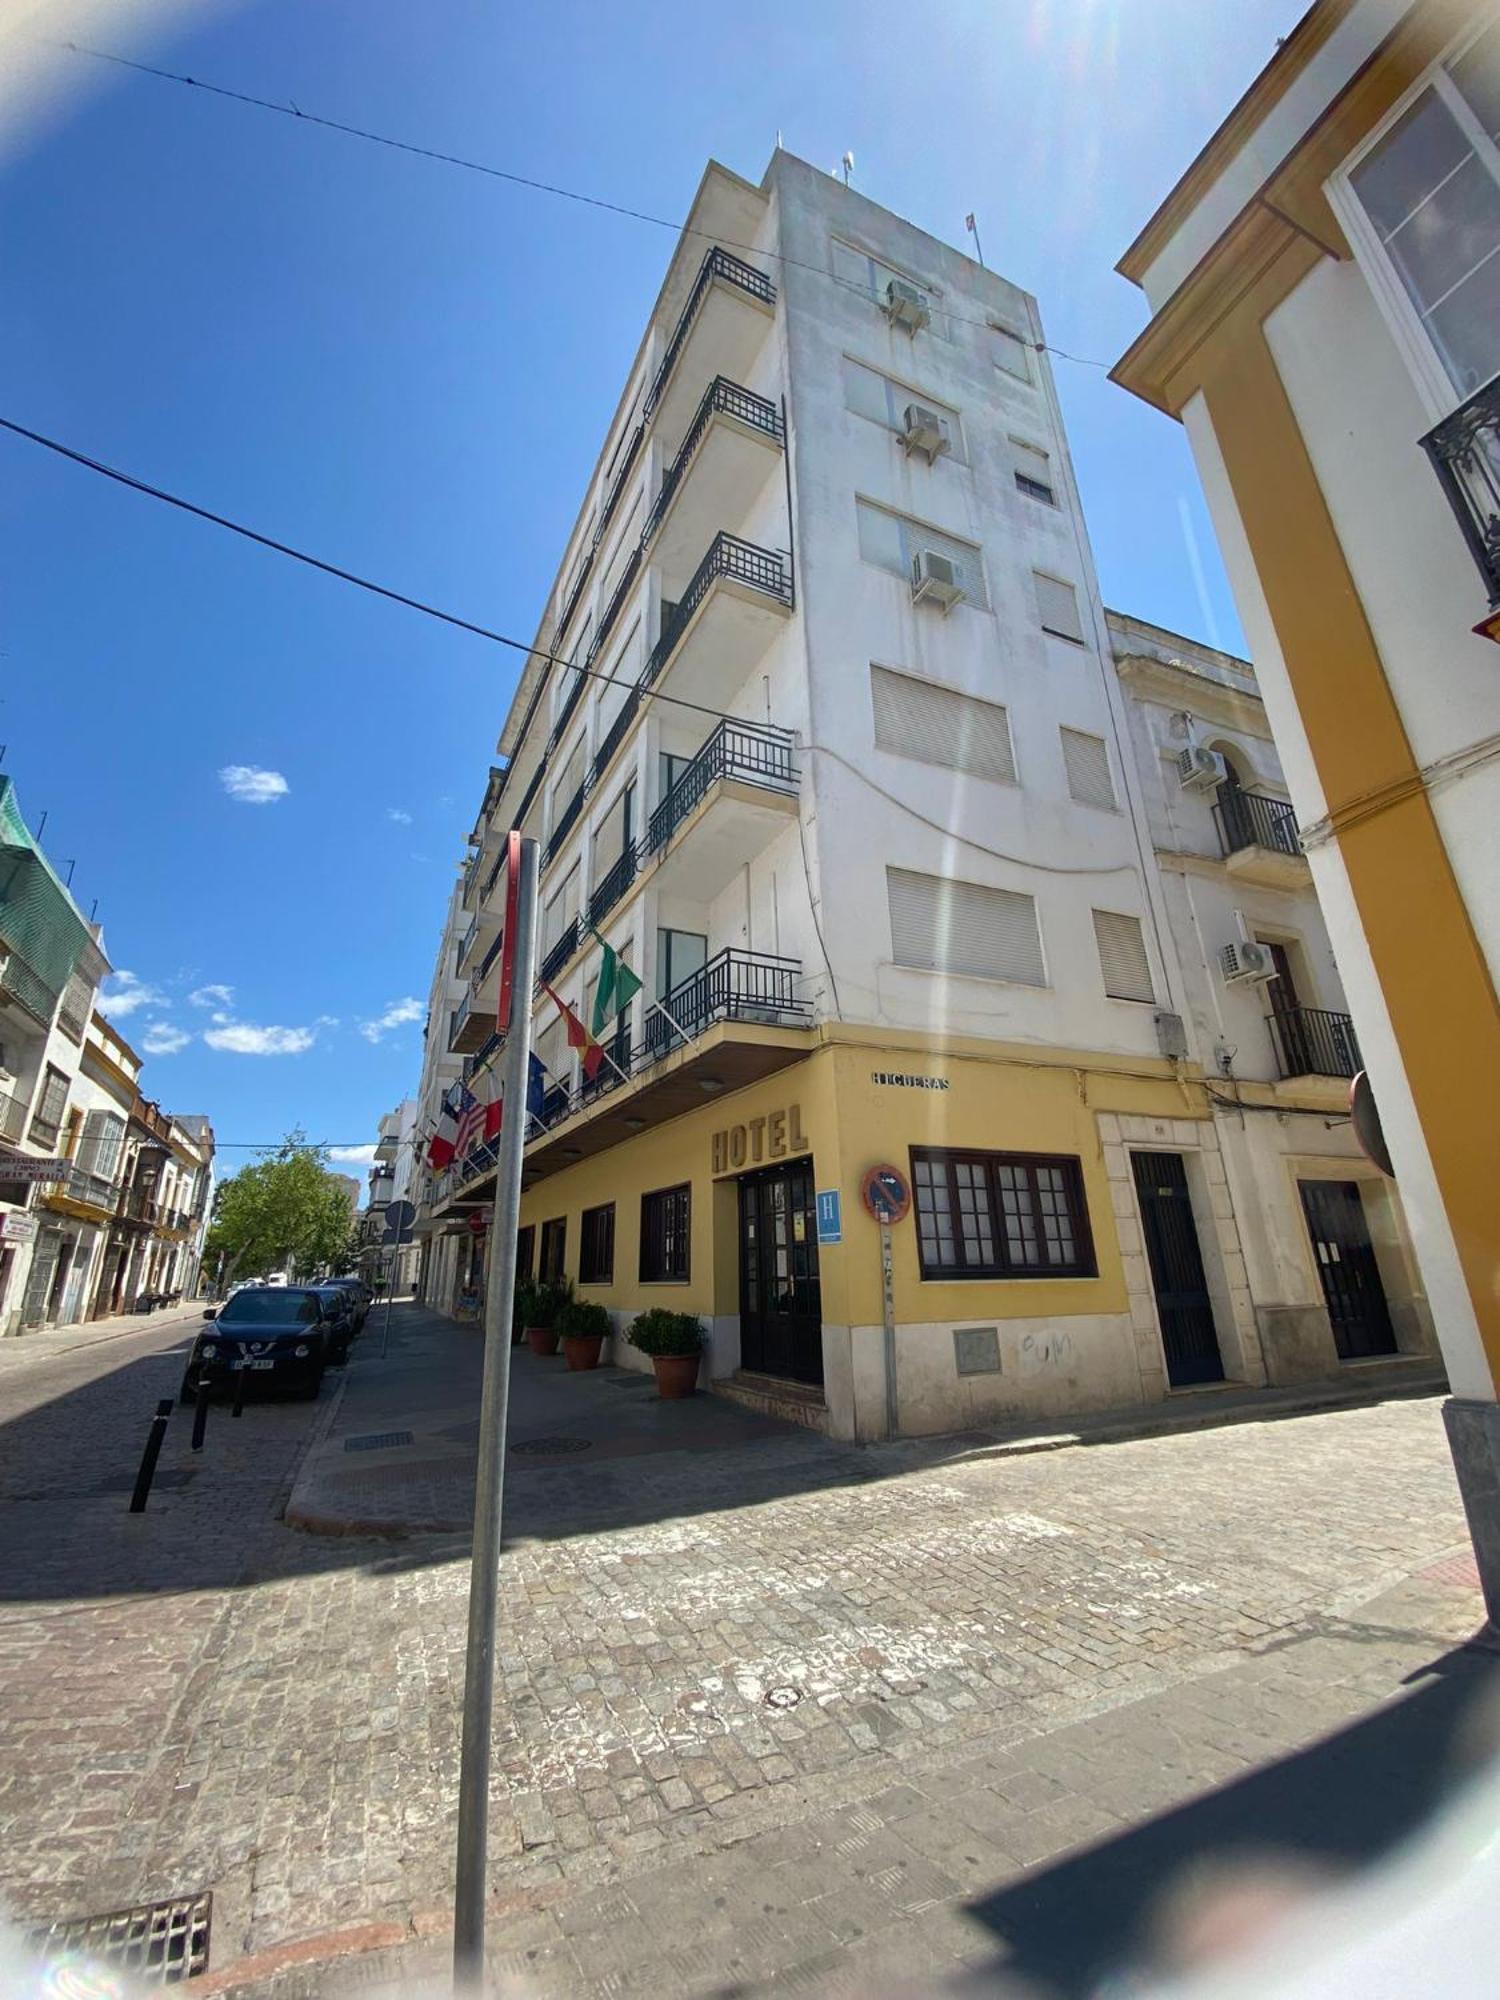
[(848, 779)]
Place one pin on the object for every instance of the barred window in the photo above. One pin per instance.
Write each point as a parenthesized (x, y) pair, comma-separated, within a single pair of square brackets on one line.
[(554, 1247), (596, 1245), (666, 1224), (1001, 1215)]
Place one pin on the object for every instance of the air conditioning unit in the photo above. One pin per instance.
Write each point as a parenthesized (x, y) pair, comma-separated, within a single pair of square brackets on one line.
[(924, 430), (906, 306), (1200, 770), (935, 579), (1246, 963)]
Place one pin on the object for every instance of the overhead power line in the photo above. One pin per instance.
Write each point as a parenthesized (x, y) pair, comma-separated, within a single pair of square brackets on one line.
[(528, 181)]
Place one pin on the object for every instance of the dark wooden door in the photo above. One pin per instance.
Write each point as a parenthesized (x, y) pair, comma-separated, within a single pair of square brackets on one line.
[(1350, 1276), (1182, 1303), (781, 1305)]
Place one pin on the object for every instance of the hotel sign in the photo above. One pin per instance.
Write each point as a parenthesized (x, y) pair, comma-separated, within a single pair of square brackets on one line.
[(776, 1136)]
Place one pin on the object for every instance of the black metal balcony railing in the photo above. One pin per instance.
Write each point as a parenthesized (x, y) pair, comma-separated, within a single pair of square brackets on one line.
[(615, 735), (489, 958), (1313, 1041), (496, 871), (1464, 450), (613, 884), (580, 584), (555, 1104), (481, 1056), (754, 755), (617, 484), (558, 956), (566, 821), (456, 1020), (733, 986), (617, 601), (471, 870), (728, 556), (1251, 819), (570, 701), (466, 944), (722, 398), (717, 264)]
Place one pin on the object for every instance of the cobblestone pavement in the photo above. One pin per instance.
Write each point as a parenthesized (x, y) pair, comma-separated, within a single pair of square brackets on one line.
[(700, 1651)]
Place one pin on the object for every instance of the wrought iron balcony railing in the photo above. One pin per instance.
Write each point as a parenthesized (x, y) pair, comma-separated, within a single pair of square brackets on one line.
[(567, 819), (559, 954), (722, 398), (1252, 819), (615, 735), (717, 264), (1464, 450), (481, 1055), (742, 750), (733, 986), (489, 958), (618, 483), (613, 884), (466, 944), (728, 556), (1313, 1041)]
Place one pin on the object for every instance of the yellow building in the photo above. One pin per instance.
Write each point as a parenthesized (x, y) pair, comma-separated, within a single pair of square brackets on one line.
[(1324, 285)]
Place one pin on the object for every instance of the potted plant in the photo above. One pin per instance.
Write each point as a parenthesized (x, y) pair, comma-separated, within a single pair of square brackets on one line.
[(547, 1300), (674, 1340), (523, 1309), (584, 1326)]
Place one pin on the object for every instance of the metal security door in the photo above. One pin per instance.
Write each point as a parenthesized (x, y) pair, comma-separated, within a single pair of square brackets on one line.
[(1182, 1303), (39, 1279), (1357, 1309), (781, 1305)]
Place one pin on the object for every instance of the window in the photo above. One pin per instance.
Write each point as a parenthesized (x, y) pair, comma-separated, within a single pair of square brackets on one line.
[(1057, 606), (616, 832), (1000, 1215), (77, 1003), (870, 394), (99, 1150), (940, 925), (596, 1245), (569, 783), (554, 1247), (679, 955), (1430, 190), (1012, 352), (1122, 956), (666, 1219), (46, 1120), (936, 725), (673, 767), (1033, 471), (891, 541), (525, 1242), (867, 274), (561, 909), (1087, 762)]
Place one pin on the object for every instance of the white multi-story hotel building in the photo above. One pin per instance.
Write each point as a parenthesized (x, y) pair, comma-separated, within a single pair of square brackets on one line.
[(823, 732)]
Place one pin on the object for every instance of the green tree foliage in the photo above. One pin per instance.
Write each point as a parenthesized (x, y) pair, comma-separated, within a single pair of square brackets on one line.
[(285, 1211)]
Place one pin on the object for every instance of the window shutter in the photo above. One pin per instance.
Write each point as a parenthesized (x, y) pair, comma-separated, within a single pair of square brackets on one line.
[(1057, 606), (1122, 956), (937, 725), (945, 926), (1087, 762)]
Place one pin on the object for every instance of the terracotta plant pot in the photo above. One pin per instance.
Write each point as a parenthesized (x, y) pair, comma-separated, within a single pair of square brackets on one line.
[(582, 1350), (542, 1339), (676, 1374)]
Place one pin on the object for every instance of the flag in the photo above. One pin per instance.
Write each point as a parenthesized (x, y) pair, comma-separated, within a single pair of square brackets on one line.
[(470, 1118), (578, 1035), (440, 1147), (968, 221), (617, 987), (479, 1117), (536, 1086)]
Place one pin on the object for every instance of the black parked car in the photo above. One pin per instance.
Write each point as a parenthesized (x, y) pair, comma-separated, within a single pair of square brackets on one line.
[(359, 1296), (344, 1319), (283, 1335)]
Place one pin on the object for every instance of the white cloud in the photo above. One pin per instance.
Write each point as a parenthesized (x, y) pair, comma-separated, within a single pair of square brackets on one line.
[(353, 1156), (253, 786), (396, 1015), (163, 1039), (240, 1038), (212, 996), (327, 1021), (400, 818), (129, 993)]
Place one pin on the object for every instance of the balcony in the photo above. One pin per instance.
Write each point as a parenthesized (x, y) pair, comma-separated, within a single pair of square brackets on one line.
[(558, 953), (28, 989), (613, 885), (469, 1024), (466, 944), (732, 446), (12, 1118), (736, 795), (92, 1191), (1312, 1041), (1259, 840), (738, 600), (719, 333), (482, 969), (615, 735), (471, 877), (1464, 451), (733, 986), (480, 1056), (567, 819)]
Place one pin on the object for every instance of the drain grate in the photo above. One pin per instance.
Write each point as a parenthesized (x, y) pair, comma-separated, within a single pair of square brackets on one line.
[(781, 1697), (553, 1447), (377, 1440), (156, 1943)]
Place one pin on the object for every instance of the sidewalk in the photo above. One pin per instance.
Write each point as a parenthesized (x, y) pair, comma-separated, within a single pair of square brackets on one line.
[(81, 1333)]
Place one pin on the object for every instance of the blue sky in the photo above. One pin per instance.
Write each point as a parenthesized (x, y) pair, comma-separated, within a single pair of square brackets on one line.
[(407, 369)]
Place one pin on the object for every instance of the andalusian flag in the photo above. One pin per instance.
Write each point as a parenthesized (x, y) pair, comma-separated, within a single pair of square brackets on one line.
[(617, 987)]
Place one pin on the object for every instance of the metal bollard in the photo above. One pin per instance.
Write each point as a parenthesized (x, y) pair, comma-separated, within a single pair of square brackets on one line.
[(239, 1390), (150, 1455), (200, 1414)]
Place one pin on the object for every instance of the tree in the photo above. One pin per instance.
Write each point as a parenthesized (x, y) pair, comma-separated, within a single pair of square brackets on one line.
[(285, 1211)]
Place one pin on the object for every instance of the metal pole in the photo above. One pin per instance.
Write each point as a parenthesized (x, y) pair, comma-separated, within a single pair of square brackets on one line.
[(200, 1413), (484, 1577), (150, 1455), (241, 1377), (888, 1318)]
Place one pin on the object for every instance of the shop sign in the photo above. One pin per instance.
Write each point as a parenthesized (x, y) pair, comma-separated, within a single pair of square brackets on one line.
[(885, 1194), (903, 1079), (17, 1228), (830, 1216), (21, 1167), (773, 1137)]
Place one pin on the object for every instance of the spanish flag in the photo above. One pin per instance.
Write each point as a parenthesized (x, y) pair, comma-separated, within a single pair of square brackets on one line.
[(578, 1035)]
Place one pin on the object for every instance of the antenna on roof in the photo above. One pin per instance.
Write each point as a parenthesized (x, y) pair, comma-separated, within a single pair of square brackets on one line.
[(847, 164), (70, 866), (93, 909), (973, 228)]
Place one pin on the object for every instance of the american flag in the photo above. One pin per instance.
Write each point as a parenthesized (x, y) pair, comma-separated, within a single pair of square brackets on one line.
[(470, 1122)]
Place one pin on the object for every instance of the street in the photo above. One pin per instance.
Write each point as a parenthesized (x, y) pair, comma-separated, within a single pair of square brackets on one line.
[(736, 1647)]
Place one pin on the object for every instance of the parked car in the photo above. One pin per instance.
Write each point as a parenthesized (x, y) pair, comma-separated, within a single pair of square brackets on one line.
[(354, 1291), (343, 1323), (363, 1297), (282, 1335)]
